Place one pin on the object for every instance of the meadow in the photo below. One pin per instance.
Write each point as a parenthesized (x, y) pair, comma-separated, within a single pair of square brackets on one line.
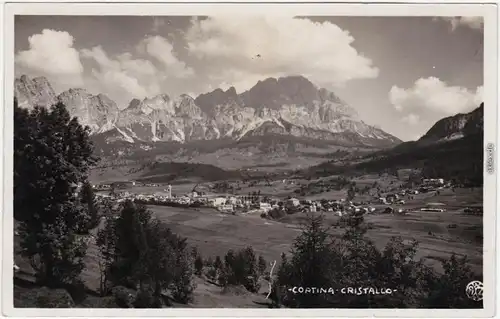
[(214, 233)]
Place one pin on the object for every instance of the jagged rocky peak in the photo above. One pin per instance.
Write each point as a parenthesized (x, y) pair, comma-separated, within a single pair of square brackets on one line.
[(231, 92), (34, 91), (160, 102), (273, 93), (98, 112), (326, 95), (134, 103), (186, 107), (298, 87), (209, 101)]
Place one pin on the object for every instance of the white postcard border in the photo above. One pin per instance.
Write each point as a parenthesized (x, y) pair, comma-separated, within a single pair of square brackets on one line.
[(489, 12)]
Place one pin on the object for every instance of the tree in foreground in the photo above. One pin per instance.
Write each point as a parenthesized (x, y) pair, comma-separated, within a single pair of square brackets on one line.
[(52, 156), (198, 264), (87, 198), (240, 268), (140, 252), (318, 260)]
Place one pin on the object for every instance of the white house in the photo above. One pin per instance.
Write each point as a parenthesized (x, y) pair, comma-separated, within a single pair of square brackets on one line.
[(292, 202), (217, 201), (232, 200), (226, 208), (265, 206)]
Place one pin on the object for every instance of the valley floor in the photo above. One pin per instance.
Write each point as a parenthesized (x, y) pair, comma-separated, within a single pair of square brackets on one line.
[(214, 233)]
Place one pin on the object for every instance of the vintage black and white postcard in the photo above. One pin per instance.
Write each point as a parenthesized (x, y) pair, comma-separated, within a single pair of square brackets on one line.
[(281, 159)]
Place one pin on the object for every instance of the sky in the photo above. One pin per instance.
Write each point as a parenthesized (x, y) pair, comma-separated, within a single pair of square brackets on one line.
[(401, 74)]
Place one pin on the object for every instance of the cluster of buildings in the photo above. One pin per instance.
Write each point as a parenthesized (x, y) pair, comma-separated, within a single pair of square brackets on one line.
[(123, 184), (264, 204)]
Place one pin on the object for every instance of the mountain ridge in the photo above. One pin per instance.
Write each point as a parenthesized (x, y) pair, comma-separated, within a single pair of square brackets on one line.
[(456, 126), (291, 106)]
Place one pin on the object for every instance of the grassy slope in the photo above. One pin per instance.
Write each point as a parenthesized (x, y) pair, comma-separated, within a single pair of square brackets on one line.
[(461, 158), (215, 233)]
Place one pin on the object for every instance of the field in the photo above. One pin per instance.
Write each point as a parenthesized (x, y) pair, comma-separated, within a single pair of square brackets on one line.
[(214, 233), (439, 233)]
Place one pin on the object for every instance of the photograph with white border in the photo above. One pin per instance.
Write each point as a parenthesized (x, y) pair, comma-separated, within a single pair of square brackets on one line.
[(279, 159)]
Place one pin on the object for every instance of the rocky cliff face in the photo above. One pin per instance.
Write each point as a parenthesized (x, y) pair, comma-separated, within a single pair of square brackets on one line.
[(456, 126), (31, 92), (98, 112), (285, 106)]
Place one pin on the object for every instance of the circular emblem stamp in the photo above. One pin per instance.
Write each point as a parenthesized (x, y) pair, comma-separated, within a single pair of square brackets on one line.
[(474, 290)]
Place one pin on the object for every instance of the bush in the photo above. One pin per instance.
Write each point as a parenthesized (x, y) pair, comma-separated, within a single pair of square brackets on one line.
[(77, 291), (53, 298), (241, 268), (276, 213), (124, 297), (145, 299)]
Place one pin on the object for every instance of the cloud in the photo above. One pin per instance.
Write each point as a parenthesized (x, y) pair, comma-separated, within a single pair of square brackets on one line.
[(471, 22), (123, 77), (236, 49), (435, 95), (411, 119), (162, 50), (51, 53)]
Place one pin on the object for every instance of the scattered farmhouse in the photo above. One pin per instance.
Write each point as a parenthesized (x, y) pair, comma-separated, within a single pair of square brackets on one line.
[(292, 202), (265, 206)]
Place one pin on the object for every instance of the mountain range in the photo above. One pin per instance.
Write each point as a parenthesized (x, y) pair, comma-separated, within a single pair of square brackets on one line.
[(278, 125), (289, 106)]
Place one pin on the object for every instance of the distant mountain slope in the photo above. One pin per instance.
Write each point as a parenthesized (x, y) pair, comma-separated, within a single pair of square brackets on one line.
[(456, 126), (459, 158), (290, 106), (167, 172)]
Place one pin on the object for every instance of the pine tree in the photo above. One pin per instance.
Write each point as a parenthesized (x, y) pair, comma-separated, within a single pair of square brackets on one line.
[(87, 198), (52, 156), (106, 242), (198, 265), (132, 245), (183, 284), (262, 265), (311, 264)]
